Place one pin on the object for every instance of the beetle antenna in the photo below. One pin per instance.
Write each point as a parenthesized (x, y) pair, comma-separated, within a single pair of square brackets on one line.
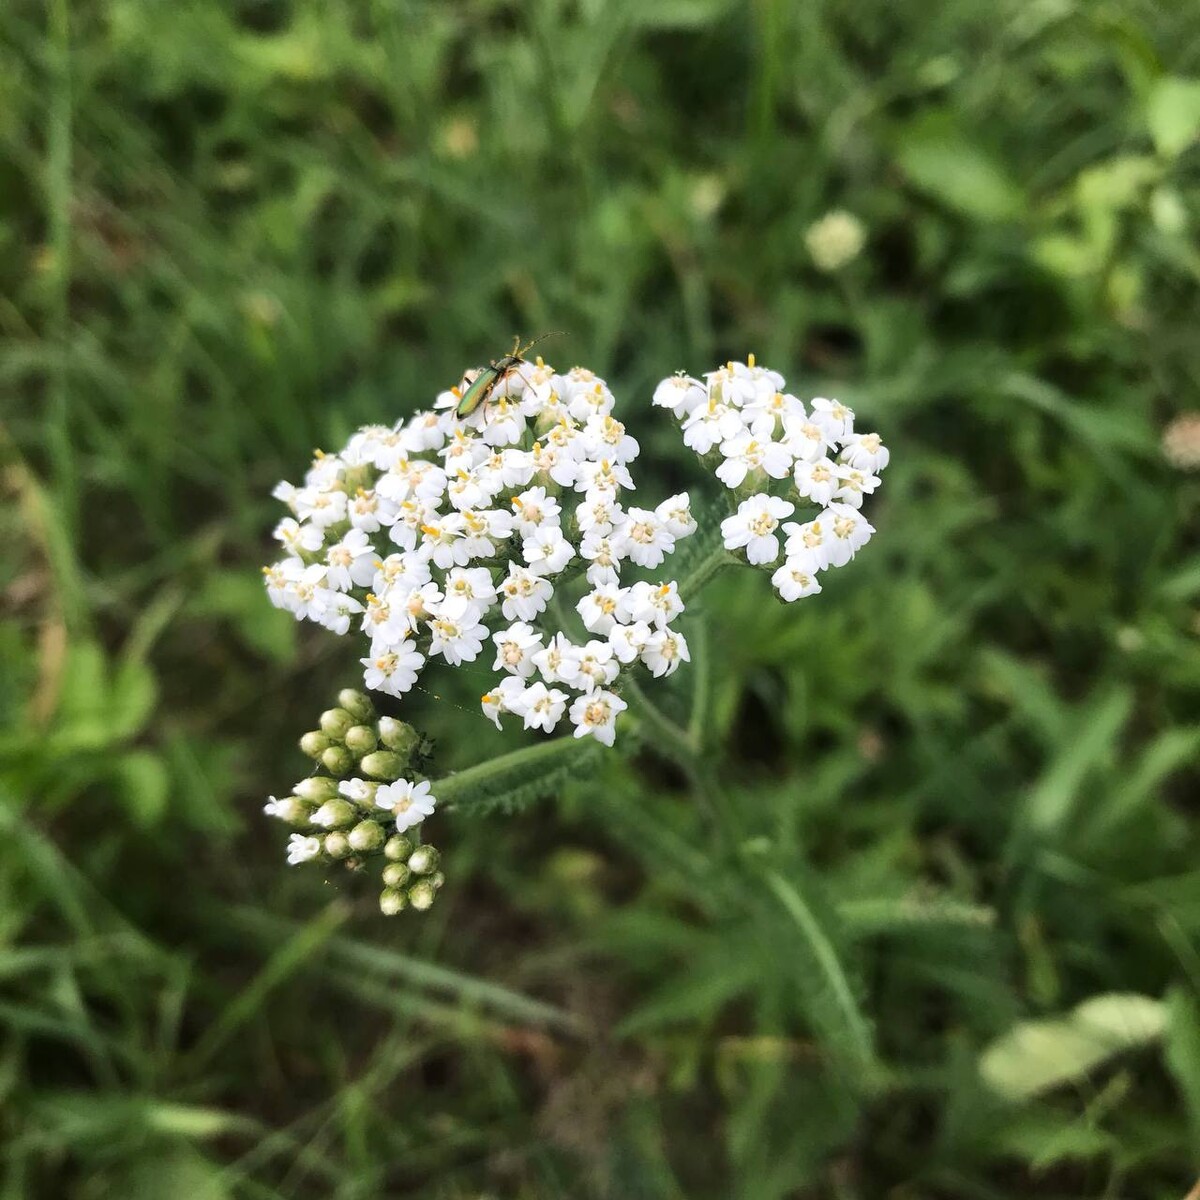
[(540, 338)]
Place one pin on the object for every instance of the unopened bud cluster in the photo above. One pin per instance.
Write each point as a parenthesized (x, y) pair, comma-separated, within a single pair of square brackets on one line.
[(366, 792)]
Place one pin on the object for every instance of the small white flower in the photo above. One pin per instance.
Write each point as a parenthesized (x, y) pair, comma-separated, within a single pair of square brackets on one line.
[(655, 603), (302, 849), (628, 641), (866, 452), (456, 632), (473, 584), (681, 394), (542, 707), (410, 802), (547, 551), (595, 715), (834, 419), (559, 661), (282, 809), (817, 481), (676, 514), (849, 532), (533, 509), (393, 670), (358, 791), (525, 593), (711, 425), (793, 581), (351, 561), (754, 525), (297, 538), (644, 538), (597, 666), (664, 651), (515, 649), (807, 546), (603, 608), (505, 697), (853, 485), (745, 453)]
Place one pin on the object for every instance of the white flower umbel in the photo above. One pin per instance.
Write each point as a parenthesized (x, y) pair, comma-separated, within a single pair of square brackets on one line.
[(789, 455), (439, 534), (595, 715)]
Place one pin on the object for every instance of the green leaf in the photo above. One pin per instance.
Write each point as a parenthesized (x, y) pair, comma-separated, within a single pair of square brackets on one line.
[(954, 169), (830, 999), (143, 785), (1173, 114), (1182, 1052), (1035, 1056)]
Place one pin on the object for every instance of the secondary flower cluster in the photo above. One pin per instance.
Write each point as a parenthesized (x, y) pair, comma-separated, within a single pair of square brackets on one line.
[(427, 534), (758, 437), (346, 815)]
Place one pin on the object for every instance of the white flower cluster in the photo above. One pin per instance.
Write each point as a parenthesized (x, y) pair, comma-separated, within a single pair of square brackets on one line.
[(425, 534), (760, 436)]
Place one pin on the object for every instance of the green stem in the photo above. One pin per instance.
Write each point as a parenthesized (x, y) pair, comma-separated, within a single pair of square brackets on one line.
[(705, 570)]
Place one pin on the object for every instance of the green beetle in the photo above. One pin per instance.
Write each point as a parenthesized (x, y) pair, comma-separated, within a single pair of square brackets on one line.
[(482, 381)]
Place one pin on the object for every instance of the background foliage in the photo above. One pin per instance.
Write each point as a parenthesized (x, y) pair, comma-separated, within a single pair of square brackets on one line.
[(948, 942)]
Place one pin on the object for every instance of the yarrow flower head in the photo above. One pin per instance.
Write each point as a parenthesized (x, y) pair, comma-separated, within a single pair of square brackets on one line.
[(490, 531)]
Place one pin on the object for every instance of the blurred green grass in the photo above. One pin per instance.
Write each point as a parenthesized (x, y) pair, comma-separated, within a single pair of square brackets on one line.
[(967, 962)]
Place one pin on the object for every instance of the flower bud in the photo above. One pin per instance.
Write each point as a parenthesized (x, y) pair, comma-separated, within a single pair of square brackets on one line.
[(422, 895), (398, 848), (334, 813), (357, 705), (314, 744), (366, 836), (334, 722), (337, 760), (383, 764), (424, 860), (336, 844), (398, 735), (292, 810), (396, 874), (361, 739), (436, 881), (391, 902), (317, 789)]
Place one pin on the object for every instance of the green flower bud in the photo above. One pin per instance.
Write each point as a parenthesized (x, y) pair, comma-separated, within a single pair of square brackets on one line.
[(398, 735), (424, 860), (317, 788), (383, 764), (361, 739), (357, 705), (293, 810), (337, 760), (422, 895), (396, 875), (336, 844), (335, 814), (391, 902), (398, 848), (335, 722), (314, 744), (367, 836), (436, 881)]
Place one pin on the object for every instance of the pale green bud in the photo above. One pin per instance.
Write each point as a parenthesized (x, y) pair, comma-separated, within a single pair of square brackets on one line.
[(361, 739), (335, 722), (335, 814), (293, 810), (383, 764), (314, 744), (396, 875), (422, 895), (337, 760), (317, 788), (391, 902), (357, 705), (367, 836), (424, 860), (398, 848), (398, 735), (336, 844), (436, 881)]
